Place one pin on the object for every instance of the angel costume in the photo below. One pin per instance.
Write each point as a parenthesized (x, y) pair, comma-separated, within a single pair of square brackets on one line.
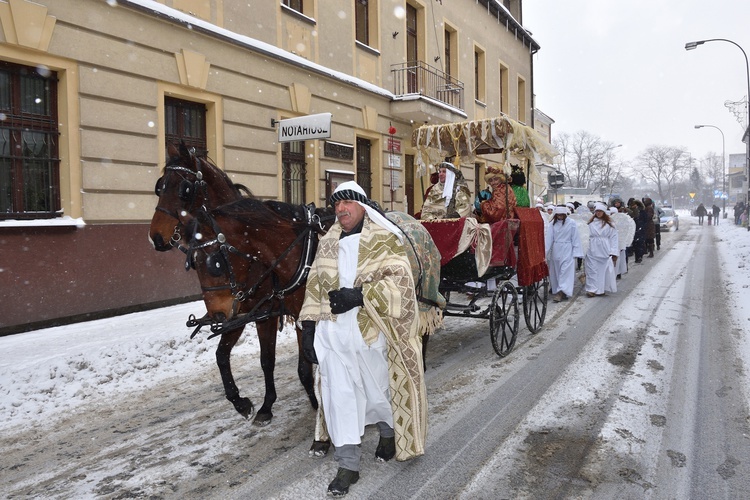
[(563, 246), (603, 245)]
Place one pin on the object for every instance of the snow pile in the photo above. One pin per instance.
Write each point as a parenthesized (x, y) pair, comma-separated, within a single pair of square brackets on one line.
[(49, 372)]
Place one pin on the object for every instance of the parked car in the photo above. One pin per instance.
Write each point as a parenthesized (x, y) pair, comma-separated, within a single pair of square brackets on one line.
[(669, 220)]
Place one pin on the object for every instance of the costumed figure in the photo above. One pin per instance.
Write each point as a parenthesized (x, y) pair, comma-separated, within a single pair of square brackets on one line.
[(502, 204), (360, 322), (563, 246), (625, 232), (518, 183), (450, 198), (602, 254)]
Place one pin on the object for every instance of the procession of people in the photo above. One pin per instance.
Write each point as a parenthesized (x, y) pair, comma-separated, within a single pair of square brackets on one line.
[(359, 322)]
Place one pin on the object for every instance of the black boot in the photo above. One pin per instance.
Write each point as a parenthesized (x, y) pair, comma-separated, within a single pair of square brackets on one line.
[(386, 449), (340, 484)]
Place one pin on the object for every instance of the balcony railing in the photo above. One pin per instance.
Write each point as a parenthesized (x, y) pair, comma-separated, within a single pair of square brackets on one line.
[(419, 78)]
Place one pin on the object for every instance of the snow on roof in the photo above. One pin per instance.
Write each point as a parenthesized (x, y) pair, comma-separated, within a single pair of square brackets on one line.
[(192, 22)]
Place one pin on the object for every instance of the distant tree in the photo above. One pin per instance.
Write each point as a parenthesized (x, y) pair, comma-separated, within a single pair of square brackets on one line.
[(588, 161), (664, 166)]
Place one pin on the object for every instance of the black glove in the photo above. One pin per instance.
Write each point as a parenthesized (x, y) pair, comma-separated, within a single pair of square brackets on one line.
[(308, 340), (345, 299)]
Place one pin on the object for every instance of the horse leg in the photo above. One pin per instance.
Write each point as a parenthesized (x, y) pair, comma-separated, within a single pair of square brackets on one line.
[(305, 372), (223, 352), (425, 338), (267, 331)]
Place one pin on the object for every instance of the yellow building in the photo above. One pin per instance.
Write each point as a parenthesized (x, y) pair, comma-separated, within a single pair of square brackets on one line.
[(93, 90)]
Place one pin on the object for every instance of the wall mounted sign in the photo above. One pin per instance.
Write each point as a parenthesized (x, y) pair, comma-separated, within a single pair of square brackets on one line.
[(305, 127)]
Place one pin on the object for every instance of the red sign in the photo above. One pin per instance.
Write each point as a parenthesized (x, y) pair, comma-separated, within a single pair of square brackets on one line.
[(394, 145)]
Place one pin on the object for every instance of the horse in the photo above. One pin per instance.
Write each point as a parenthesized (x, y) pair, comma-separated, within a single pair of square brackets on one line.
[(252, 258), (190, 184)]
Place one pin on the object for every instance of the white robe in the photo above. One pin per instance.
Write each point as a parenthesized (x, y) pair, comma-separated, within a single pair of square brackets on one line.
[(354, 376), (563, 246), (600, 269)]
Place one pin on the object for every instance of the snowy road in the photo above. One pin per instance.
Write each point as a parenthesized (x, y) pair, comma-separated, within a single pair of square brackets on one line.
[(642, 394)]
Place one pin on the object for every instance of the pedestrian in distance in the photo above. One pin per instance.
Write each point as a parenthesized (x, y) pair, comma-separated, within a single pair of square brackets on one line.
[(601, 257), (638, 212), (360, 323), (650, 229), (563, 247), (701, 213), (717, 214)]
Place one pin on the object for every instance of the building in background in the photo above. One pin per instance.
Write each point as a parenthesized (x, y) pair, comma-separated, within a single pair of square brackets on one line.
[(91, 92)]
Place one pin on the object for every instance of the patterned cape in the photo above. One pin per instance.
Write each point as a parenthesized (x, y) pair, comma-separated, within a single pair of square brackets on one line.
[(390, 306), (434, 205), (426, 253)]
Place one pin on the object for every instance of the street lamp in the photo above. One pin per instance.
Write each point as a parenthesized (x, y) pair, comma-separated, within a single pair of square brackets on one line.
[(693, 45), (723, 170)]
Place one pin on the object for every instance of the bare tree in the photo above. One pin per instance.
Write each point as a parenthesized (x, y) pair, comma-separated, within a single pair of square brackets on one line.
[(587, 161), (664, 166)]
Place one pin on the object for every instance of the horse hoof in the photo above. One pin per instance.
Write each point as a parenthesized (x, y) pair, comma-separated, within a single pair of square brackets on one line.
[(319, 449), (244, 407), (263, 419)]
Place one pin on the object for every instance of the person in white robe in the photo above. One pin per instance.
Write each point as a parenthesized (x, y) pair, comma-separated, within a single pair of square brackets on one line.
[(360, 323), (602, 254), (562, 247), (622, 263)]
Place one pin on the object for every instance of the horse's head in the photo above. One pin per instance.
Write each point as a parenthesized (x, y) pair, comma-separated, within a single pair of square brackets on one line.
[(187, 184), (243, 253), (225, 273)]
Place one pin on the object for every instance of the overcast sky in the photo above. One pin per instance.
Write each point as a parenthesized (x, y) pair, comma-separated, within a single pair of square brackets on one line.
[(619, 70)]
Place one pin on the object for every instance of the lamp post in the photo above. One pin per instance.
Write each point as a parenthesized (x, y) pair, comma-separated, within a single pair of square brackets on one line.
[(693, 45), (723, 169)]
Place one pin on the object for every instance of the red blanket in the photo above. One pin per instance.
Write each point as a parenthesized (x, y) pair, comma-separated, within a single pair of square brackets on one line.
[(503, 251), (446, 234), (532, 266)]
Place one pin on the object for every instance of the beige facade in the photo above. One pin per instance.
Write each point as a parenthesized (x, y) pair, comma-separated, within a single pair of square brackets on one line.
[(251, 63)]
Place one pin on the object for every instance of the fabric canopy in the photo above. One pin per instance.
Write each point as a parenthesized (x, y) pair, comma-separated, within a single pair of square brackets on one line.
[(468, 139)]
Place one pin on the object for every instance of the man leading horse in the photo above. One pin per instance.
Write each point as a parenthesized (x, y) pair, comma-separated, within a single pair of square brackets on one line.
[(361, 324)]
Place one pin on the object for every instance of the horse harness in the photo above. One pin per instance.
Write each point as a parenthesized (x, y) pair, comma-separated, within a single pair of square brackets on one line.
[(218, 263)]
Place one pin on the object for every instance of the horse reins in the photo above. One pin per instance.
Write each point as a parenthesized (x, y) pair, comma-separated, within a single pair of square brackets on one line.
[(306, 237)]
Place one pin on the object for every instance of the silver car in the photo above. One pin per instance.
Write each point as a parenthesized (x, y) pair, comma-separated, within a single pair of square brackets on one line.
[(669, 220)]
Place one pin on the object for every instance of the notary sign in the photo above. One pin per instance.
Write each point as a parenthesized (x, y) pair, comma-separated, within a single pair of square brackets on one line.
[(305, 127)]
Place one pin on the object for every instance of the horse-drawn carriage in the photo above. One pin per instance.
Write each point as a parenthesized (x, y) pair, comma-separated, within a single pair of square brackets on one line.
[(486, 268), (491, 265)]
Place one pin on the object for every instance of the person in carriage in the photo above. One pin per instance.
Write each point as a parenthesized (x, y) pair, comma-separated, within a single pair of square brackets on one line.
[(450, 198), (502, 203), (360, 323)]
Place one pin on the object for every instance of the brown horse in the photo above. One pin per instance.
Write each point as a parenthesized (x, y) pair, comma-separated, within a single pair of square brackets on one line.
[(189, 184), (252, 258)]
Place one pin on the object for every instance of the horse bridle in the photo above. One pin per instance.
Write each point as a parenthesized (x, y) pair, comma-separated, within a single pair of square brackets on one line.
[(187, 192), (306, 237)]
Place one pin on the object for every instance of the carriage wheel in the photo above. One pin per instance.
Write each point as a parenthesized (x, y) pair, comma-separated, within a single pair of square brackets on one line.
[(535, 304), (504, 318)]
